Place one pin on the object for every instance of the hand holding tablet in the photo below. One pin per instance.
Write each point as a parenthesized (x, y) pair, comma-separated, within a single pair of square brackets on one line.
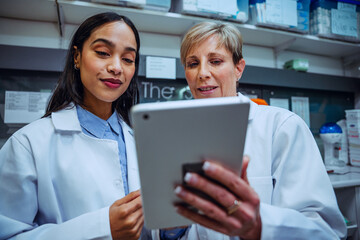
[(170, 135)]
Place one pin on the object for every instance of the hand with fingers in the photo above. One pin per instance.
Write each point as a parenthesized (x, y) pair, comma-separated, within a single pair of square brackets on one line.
[(237, 210), (126, 217)]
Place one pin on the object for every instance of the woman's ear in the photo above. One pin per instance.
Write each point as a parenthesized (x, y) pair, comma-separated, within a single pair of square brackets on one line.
[(240, 66), (76, 57)]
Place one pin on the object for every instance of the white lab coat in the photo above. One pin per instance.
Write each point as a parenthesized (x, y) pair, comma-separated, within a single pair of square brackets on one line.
[(46, 157), (55, 176), (287, 172)]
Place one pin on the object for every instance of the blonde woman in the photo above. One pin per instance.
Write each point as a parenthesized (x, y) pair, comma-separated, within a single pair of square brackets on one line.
[(284, 191)]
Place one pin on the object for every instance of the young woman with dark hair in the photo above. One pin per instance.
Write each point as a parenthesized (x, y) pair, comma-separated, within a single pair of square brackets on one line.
[(70, 88), (73, 173)]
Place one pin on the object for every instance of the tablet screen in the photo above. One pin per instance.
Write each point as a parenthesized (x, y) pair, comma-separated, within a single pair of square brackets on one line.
[(171, 135)]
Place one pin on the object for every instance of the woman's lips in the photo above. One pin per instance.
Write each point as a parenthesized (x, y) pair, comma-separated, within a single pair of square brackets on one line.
[(207, 90), (111, 82)]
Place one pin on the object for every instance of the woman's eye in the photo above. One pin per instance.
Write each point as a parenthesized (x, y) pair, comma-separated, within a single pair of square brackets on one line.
[(216, 62), (101, 53), (128, 60), (191, 64)]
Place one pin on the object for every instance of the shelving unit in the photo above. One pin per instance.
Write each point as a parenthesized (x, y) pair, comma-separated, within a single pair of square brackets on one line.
[(347, 190), (74, 12)]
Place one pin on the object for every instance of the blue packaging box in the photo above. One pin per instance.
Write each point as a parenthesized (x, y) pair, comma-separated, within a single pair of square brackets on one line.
[(290, 15), (159, 5), (335, 19), (233, 10)]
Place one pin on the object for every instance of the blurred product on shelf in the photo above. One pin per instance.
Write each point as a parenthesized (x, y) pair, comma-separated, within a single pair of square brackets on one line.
[(331, 134), (335, 19), (234, 10), (301, 65), (290, 15), (259, 101), (159, 5), (353, 132)]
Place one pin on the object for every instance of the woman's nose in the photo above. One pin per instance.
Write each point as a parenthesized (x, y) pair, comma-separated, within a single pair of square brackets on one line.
[(114, 66), (204, 72)]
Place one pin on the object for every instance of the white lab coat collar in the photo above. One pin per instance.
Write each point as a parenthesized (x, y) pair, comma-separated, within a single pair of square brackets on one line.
[(67, 120), (253, 106)]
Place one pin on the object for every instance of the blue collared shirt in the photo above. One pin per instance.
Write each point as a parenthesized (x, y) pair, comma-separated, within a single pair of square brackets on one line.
[(96, 127)]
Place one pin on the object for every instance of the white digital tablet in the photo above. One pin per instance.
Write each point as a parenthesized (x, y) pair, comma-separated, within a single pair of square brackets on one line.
[(171, 134)]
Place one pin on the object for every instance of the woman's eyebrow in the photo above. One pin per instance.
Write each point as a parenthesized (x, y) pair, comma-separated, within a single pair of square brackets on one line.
[(130, 49), (107, 42), (191, 57), (111, 44), (215, 54)]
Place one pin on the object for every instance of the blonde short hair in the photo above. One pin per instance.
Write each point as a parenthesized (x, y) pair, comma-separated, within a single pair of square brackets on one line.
[(229, 36)]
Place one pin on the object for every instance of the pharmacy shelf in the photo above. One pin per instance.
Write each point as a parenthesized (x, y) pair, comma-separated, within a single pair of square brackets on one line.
[(74, 12), (347, 191), (351, 230), (349, 179), (46, 59)]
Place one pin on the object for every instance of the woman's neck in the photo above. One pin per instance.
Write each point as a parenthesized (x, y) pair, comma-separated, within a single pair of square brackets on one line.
[(103, 111)]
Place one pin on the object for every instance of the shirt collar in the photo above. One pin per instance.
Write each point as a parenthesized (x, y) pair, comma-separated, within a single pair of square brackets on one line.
[(95, 125), (114, 122)]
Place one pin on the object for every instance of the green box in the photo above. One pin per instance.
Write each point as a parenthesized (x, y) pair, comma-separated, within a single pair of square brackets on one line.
[(301, 65)]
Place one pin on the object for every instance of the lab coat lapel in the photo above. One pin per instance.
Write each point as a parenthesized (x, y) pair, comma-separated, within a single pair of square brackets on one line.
[(66, 119), (133, 170)]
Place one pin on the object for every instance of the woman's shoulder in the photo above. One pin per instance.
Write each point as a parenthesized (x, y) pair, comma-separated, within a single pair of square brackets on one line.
[(38, 132), (274, 112), (44, 127), (35, 128), (266, 113), (278, 117)]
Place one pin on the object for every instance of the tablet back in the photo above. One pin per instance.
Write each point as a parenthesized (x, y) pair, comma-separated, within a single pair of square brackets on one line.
[(170, 134)]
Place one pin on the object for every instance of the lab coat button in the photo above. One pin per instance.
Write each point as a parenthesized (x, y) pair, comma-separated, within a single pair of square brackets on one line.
[(118, 183)]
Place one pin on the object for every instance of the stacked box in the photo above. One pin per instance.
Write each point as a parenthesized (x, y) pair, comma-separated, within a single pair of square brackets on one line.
[(159, 5), (335, 19), (353, 132), (290, 15), (234, 10), (301, 65)]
